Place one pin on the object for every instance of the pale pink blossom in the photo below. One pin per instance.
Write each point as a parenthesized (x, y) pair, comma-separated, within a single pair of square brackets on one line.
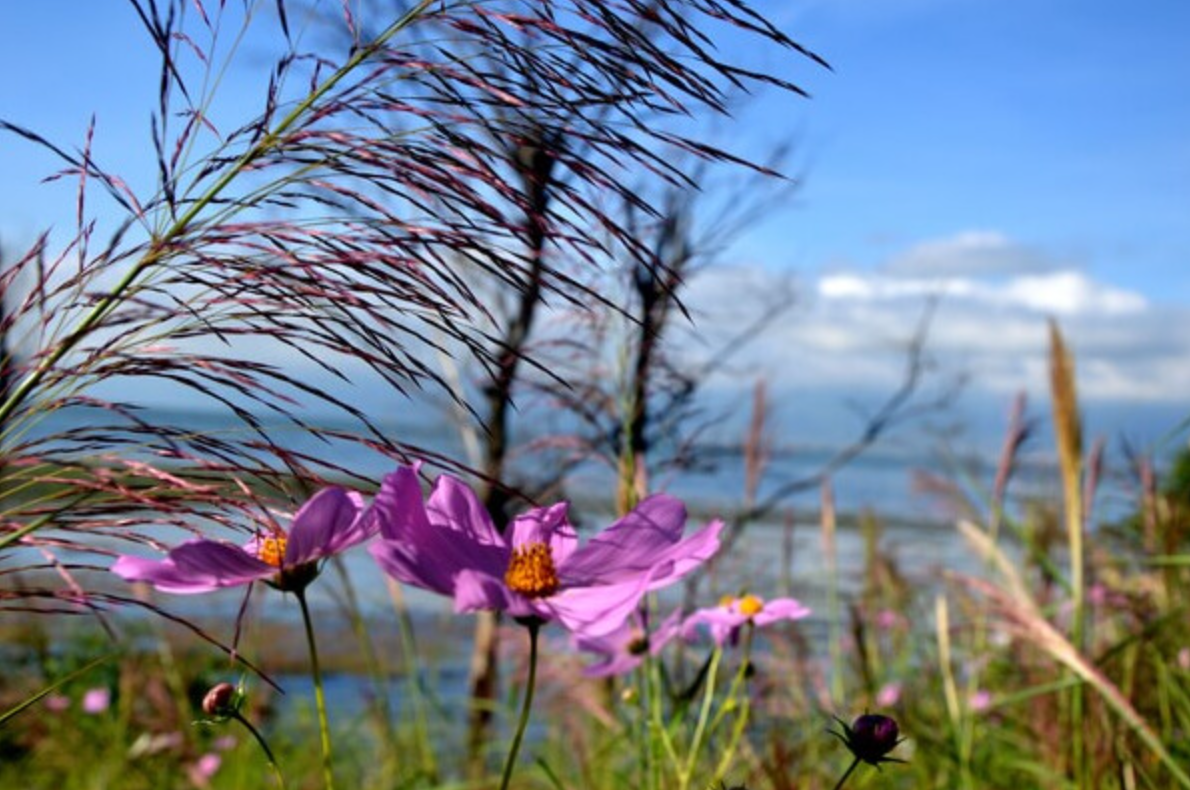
[(889, 695), (96, 700)]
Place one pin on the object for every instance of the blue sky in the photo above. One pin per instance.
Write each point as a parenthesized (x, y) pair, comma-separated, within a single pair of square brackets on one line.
[(1026, 158)]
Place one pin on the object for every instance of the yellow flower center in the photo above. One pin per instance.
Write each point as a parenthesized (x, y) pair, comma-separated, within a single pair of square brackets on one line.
[(531, 571), (726, 601), (272, 550), (750, 606)]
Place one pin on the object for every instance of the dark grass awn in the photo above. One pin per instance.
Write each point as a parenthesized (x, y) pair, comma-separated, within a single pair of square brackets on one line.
[(342, 228)]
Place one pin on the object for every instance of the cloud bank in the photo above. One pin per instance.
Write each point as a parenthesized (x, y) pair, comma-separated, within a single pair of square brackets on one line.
[(850, 328)]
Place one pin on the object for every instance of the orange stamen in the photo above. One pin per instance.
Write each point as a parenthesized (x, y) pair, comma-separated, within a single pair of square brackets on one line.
[(531, 571), (751, 605), (272, 550)]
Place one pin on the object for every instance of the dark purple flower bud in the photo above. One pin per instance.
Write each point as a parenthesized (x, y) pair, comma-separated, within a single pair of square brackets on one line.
[(870, 737), (222, 700)]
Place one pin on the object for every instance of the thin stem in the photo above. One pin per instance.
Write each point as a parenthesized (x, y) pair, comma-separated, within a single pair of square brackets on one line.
[(703, 716), (843, 778), (745, 704), (268, 753), (413, 673), (526, 706), (319, 697), (656, 730)]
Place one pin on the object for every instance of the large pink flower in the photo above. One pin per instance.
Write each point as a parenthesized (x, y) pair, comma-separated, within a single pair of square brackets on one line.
[(333, 520), (536, 569)]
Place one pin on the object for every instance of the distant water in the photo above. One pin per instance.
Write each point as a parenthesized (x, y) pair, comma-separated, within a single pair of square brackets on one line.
[(783, 554), (883, 478), (917, 531)]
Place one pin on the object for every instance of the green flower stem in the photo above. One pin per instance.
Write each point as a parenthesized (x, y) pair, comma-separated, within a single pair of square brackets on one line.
[(534, 626), (655, 728), (319, 696), (416, 695), (745, 706), (740, 678), (844, 777), (704, 715), (268, 753)]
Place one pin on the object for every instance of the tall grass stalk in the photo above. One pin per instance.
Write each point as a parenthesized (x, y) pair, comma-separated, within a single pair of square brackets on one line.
[(159, 251), (1068, 435), (413, 680), (833, 612)]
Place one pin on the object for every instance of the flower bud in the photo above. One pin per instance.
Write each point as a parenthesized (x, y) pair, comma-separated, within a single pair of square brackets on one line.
[(870, 737), (221, 700), (876, 734)]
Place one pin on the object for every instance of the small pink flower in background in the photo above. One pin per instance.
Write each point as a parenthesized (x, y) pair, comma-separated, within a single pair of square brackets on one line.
[(624, 649), (332, 520), (57, 702), (980, 701), (889, 695), (148, 743), (1184, 658), (96, 701), (204, 768), (536, 567), (224, 743), (725, 620), (887, 619)]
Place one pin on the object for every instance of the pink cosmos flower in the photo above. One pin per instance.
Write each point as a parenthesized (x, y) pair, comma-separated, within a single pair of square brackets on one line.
[(537, 569), (889, 695), (96, 700), (57, 702), (980, 701), (204, 768), (625, 648), (333, 520), (725, 620)]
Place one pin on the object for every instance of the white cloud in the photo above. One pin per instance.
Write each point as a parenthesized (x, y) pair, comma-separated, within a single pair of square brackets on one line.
[(851, 329), (1064, 293), (969, 253)]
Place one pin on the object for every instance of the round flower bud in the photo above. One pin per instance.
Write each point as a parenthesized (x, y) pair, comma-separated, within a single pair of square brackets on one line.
[(870, 737), (874, 736), (220, 700)]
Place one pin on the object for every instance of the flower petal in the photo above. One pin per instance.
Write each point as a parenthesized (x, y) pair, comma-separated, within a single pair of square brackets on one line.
[(162, 574), (721, 621), (613, 665), (597, 610), (617, 647), (399, 504), (453, 505), (780, 609), (195, 567), (406, 563), (635, 544), (328, 523), (546, 525), (475, 591), (418, 547), (685, 556)]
